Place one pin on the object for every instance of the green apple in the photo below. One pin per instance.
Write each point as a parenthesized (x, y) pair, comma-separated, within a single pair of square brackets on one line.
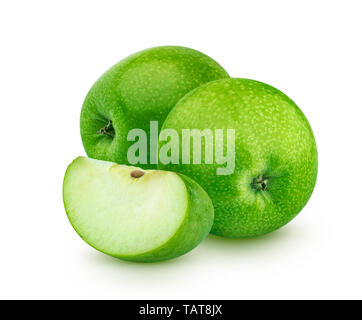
[(143, 87), (133, 214), (275, 163)]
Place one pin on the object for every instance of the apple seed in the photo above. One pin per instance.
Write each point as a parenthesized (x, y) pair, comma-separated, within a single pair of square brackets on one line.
[(137, 173)]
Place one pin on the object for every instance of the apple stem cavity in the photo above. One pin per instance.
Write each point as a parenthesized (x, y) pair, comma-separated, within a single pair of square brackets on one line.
[(137, 174), (260, 183), (107, 130)]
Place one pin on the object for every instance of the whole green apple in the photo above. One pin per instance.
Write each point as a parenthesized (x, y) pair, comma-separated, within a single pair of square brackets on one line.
[(143, 87), (273, 172), (134, 214)]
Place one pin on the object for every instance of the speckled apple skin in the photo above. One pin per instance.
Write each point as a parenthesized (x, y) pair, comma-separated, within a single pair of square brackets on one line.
[(273, 139), (143, 87)]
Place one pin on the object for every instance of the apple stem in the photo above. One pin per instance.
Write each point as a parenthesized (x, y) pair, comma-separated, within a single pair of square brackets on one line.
[(107, 130)]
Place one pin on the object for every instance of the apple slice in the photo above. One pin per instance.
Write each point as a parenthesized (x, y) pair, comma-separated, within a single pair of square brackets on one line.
[(133, 214)]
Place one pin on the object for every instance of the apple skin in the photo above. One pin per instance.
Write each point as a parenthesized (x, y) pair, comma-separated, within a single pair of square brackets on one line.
[(273, 140), (141, 88), (191, 230)]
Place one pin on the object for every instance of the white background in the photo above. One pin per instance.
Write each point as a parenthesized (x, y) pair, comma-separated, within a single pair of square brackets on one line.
[(52, 52)]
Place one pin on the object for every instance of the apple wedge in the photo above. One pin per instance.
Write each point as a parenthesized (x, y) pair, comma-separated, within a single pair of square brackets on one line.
[(133, 214)]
